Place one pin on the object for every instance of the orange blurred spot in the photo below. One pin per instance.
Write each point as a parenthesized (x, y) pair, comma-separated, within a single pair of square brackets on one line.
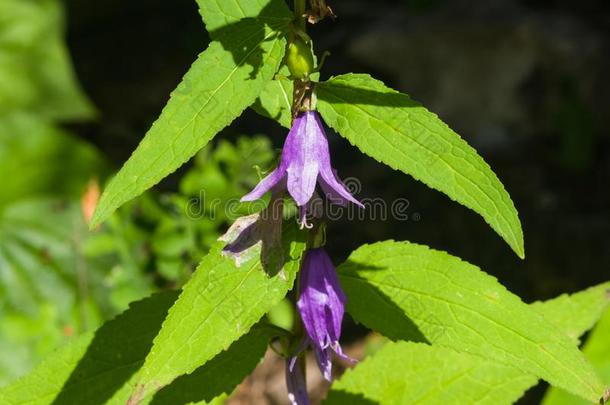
[(68, 331), (89, 200)]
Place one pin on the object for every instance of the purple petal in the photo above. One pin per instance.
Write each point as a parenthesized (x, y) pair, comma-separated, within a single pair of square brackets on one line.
[(305, 146), (296, 384), (329, 182), (334, 189), (321, 302), (313, 299), (265, 185), (339, 352), (335, 307), (331, 194), (324, 363)]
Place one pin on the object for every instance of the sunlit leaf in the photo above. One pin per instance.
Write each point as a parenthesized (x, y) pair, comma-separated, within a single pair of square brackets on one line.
[(408, 291), (576, 313), (219, 304), (221, 84), (275, 101), (410, 373), (100, 368), (416, 373), (220, 13), (597, 350), (399, 132)]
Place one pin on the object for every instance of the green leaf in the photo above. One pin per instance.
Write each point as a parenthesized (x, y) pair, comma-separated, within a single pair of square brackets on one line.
[(220, 303), (100, 368), (221, 84), (219, 13), (221, 374), (397, 131), (451, 303), (35, 70), (408, 372), (597, 350), (576, 313), (275, 101)]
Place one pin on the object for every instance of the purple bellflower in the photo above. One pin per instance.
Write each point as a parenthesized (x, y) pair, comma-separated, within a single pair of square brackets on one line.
[(305, 161), (322, 304)]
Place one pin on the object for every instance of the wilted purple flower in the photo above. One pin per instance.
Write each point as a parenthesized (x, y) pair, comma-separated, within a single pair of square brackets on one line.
[(305, 161), (295, 382), (322, 304)]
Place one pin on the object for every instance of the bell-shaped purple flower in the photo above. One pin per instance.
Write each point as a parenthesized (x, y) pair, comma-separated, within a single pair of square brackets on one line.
[(322, 304), (305, 161)]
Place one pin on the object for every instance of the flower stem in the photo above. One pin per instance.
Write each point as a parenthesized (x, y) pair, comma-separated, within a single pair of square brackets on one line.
[(299, 12)]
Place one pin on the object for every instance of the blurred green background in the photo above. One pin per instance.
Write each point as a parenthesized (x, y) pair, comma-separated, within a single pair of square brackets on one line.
[(525, 82)]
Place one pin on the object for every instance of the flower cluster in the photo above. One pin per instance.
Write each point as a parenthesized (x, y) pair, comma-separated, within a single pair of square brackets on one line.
[(305, 163)]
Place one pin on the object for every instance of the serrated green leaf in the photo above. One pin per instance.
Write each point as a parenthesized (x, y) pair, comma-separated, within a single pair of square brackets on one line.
[(576, 313), (416, 373), (220, 375), (275, 101), (218, 305), (451, 303), (597, 350), (397, 131), (460, 378), (219, 13), (100, 368), (221, 84)]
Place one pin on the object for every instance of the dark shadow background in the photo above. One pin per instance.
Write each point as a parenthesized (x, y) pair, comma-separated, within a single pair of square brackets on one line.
[(525, 82)]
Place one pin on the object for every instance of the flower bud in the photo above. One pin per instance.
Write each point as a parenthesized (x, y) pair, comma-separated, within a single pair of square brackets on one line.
[(299, 59)]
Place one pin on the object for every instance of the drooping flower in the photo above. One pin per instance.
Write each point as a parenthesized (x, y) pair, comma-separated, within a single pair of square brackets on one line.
[(261, 232), (321, 304), (295, 382), (305, 162)]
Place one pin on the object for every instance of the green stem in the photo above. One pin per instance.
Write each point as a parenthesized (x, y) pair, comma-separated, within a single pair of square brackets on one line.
[(299, 11)]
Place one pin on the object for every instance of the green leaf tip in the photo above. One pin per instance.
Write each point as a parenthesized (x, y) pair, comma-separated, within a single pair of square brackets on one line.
[(395, 130), (224, 80)]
